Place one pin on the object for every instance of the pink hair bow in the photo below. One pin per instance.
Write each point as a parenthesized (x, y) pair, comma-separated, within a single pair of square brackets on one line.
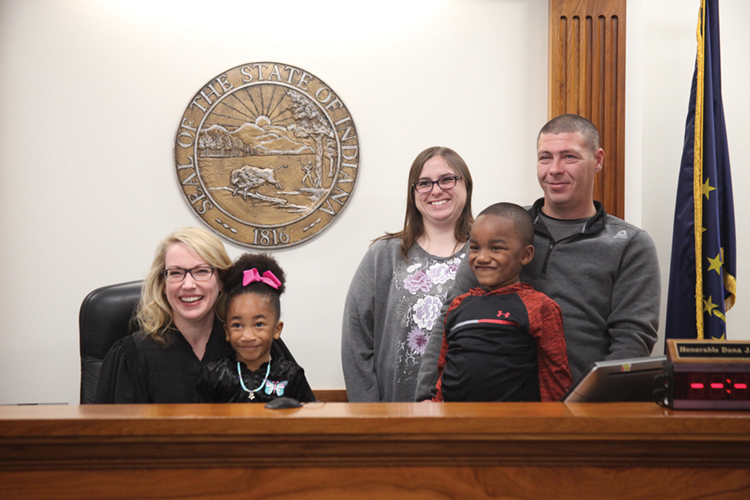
[(252, 275)]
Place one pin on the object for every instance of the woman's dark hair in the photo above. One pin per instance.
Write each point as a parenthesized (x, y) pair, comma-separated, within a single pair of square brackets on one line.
[(233, 286), (413, 223)]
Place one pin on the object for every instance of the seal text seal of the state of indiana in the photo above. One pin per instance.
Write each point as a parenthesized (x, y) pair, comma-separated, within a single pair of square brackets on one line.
[(267, 155)]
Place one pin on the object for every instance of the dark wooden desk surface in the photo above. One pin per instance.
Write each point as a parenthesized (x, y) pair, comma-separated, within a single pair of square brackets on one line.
[(395, 450)]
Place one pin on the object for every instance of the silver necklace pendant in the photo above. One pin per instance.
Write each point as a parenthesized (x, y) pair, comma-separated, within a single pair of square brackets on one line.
[(251, 396)]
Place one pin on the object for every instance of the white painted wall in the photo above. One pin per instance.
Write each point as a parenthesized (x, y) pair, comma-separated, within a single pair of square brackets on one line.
[(91, 92)]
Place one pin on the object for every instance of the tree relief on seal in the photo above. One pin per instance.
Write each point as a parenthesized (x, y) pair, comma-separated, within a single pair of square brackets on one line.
[(267, 155)]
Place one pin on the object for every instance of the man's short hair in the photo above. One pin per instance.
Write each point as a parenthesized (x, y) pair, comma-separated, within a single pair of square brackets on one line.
[(521, 218), (570, 123)]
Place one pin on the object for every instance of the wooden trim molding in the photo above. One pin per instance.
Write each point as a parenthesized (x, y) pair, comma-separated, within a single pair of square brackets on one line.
[(587, 77)]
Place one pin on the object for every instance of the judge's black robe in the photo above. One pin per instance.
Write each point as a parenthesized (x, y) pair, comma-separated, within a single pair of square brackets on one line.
[(139, 370)]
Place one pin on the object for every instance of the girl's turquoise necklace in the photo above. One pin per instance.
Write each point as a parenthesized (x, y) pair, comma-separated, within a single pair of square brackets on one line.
[(251, 394)]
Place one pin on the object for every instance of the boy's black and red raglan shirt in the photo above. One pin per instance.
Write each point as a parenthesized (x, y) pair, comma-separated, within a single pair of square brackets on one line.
[(503, 345)]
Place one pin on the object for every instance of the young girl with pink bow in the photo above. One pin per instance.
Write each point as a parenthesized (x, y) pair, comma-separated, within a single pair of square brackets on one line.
[(259, 370)]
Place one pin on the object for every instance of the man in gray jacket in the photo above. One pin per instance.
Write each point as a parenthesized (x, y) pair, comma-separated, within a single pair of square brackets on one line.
[(602, 271)]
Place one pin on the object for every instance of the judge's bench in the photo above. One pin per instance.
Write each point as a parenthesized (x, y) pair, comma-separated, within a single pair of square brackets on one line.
[(373, 451)]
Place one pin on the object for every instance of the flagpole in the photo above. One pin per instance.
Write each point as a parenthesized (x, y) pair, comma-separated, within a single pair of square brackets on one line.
[(698, 170)]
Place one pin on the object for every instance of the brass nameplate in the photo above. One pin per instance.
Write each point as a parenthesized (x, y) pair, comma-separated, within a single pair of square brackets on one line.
[(708, 350)]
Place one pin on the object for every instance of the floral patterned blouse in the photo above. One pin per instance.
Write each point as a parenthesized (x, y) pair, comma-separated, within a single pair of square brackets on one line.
[(391, 307)]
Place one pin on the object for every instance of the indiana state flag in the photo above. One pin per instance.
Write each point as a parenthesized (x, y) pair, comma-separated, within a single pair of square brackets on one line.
[(702, 278)]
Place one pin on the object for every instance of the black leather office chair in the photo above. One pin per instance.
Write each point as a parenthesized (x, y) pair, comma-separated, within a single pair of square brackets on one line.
[(105, 318)]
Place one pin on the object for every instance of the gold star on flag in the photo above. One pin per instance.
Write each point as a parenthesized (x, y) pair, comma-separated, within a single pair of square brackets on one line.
[(708, 305), (707, 188), (715, 264)]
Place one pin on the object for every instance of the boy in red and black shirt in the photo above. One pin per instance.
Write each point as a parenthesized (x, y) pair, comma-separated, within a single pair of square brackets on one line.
[(503, 341)]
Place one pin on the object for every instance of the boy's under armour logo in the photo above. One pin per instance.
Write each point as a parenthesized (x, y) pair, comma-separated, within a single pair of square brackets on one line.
[(622, 235), (501, 314)]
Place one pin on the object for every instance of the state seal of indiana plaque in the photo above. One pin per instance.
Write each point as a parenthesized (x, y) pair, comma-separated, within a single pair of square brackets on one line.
[(267, 155)]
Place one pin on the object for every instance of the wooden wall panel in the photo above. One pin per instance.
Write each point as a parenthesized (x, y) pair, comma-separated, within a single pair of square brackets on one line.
[(587, 77)]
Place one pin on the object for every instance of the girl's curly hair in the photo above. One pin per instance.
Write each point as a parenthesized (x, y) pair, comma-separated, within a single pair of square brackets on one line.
[(233, 282)]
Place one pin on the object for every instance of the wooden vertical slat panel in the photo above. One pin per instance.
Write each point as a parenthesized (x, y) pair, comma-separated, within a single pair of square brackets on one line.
[(574, 69), (587, 77), (591, 62), (606, 97)]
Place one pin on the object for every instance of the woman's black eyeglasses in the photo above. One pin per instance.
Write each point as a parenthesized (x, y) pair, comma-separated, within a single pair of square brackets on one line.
[(425, 186), (177, 274)]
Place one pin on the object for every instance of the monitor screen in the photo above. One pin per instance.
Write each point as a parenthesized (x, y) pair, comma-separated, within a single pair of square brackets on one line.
[(619, 380)]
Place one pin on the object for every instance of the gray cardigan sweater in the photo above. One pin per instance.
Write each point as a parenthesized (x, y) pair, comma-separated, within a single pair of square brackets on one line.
[(605, 279), (390, 309)]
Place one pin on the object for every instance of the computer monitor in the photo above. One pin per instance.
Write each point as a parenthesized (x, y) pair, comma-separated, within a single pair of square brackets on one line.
[(619, 380)]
